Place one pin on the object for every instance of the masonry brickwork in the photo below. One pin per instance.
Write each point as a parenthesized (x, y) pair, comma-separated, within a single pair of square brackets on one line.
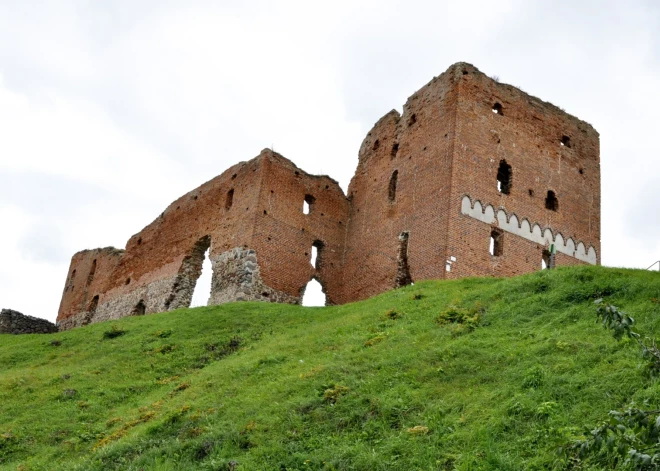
[(473, 178)]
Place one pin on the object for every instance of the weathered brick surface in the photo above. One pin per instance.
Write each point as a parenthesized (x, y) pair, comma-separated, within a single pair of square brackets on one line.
[(404, 219)]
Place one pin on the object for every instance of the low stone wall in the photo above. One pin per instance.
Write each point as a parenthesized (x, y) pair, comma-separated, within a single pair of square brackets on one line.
[(13, 322)]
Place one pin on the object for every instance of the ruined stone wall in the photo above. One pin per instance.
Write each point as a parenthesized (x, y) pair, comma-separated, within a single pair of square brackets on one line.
[(90, 276), (251, 231), (423, 204), (417, 146), (284, 235), (545, 149), (13, 322)]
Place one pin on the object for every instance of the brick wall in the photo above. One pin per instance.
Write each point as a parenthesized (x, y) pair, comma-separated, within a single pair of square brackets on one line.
[(423, 204)]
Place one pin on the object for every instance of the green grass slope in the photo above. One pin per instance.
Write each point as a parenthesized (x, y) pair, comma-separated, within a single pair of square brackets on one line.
[(385, 384)]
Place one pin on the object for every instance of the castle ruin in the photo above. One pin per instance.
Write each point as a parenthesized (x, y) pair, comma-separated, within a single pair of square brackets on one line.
[(475, 178)]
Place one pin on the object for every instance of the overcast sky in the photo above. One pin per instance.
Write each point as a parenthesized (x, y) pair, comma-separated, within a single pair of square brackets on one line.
[(111, 110)]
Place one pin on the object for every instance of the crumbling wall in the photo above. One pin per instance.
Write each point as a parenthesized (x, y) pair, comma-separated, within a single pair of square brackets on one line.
[(284, 235), (90, 276), (239, 219), (467, 160), (13, 322)]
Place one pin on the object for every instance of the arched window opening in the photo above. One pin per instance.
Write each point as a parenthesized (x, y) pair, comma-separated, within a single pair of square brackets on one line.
[(551, 201), (497, 109), (313, 294), (504, 177), (496, 243), (392, 187), (565, 141), (92, 271), (202, 290), (307, 204), (140, 309), (229, 200)]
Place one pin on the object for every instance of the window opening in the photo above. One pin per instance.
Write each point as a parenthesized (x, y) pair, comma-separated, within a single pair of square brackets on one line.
[(566, 141), (551, 201), (307, 204), (392, 188), (395, 149), (504, 177), (412, 120), (140, 309), (313, 294), (315, 259), (92, 271), (496, 246), (545, 260), (202, 290), (229, 200), (497, 109)]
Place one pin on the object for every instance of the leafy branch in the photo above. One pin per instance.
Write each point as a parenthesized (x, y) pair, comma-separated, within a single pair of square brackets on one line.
[(622, 324), (630, 438)]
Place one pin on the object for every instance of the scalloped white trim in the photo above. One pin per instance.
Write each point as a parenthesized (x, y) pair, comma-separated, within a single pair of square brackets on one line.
[(523, 229)]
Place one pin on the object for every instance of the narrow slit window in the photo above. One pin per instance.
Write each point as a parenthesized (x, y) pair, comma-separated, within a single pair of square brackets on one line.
[(395, 150), (392, 187), (315, 259), (496, 243), (497, 109), (315, 254), (92, 271), (551, 201), (504, 177), (229, 200), (307, 204)]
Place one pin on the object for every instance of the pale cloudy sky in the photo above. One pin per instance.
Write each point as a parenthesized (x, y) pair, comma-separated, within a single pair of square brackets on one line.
[(110, 110)]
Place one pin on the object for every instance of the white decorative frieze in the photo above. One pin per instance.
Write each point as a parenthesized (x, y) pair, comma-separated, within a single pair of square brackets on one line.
[(523, 229)]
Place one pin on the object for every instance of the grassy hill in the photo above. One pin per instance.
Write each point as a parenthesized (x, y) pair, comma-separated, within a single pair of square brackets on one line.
[(475, 374)]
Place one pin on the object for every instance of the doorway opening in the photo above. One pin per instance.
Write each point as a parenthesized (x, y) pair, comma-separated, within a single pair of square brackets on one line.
[(313, 294)]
